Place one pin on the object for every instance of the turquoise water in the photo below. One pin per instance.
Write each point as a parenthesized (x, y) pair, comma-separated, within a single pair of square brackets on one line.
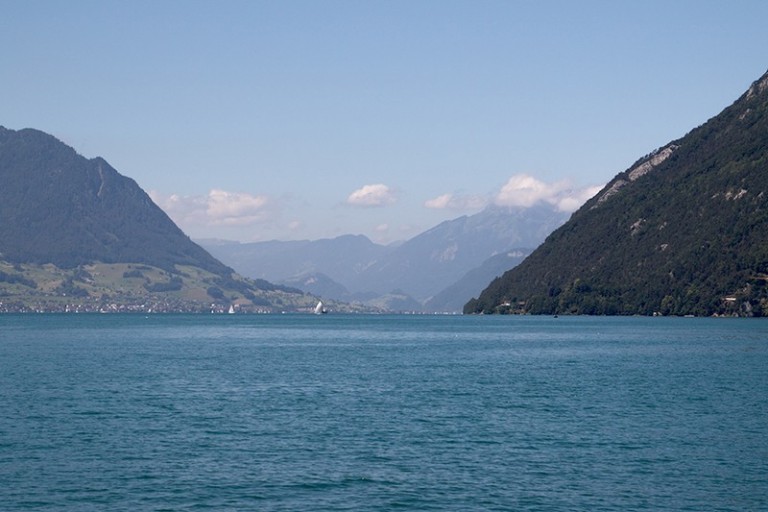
[(284, 413)]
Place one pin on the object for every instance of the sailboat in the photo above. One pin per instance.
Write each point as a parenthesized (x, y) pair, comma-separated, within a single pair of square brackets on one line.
[(319, 309), (231, 309)]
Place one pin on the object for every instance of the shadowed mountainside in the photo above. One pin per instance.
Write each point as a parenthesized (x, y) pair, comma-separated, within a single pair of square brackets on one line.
[(59, 207), (75, 235)]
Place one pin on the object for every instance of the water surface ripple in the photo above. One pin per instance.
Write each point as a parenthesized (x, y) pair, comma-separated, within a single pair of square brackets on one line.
[(291, 412)]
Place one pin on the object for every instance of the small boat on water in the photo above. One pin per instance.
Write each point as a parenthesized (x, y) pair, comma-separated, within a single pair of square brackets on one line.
[(231, 309), (320, 309)]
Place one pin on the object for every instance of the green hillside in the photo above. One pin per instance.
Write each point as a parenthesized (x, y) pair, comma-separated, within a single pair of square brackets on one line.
[(138, 288), (75, 235), (684, 231)]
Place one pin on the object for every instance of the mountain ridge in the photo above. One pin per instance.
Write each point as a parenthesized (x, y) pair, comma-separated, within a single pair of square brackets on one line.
[(59, 207), (420, 267), (680, 232), (76, 235)]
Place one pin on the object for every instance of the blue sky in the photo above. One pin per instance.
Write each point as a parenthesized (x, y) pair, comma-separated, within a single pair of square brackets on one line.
[(251, 120)]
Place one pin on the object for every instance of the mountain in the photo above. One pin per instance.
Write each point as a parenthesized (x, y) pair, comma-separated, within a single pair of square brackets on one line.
[(320, 285), (683, 231), (415, 270), (77, 235), (427, 263), (452, 298), (339, 258), (61, 208)]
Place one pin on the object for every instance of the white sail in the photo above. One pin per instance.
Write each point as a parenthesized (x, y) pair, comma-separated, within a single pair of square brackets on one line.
[(319, 308)]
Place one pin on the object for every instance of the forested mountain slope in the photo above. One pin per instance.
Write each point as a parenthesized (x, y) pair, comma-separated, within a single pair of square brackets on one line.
[(683, 231)]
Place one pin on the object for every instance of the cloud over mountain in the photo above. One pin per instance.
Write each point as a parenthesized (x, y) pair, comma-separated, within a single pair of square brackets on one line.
[(372, 196), (218, 208), (236, 208), (523, 190), (457, 202)]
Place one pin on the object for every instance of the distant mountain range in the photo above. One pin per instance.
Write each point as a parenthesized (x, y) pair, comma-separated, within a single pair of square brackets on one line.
[(415, 273), (77, 235), (683, 231)]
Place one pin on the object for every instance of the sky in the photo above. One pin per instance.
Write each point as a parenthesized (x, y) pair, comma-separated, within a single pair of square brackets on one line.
[(286, 120)]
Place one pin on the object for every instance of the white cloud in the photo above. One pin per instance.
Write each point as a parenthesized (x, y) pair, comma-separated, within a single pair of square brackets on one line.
[(457, 203), (525, 191), (218, 208), (179, 206), (576, 198), (236, 208), (439, 202), (521, 191), (372, 195)]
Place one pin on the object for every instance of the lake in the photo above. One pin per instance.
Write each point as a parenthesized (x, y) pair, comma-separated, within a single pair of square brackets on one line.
[(345, 412)]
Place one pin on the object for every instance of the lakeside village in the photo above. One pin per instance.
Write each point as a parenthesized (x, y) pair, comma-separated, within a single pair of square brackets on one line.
[(148, 307)]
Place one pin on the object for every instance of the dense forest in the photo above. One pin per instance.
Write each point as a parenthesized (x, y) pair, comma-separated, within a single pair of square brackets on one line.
[(684, 231)]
